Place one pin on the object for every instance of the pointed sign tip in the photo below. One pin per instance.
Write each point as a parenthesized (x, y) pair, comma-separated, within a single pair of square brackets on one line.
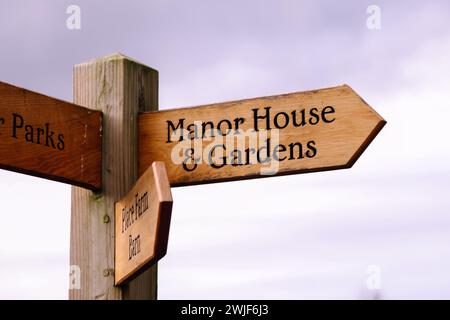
[(381, 123), (348, 87)]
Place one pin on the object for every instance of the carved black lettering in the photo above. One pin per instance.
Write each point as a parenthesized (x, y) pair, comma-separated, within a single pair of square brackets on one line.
[(171, 128), (17, 124)]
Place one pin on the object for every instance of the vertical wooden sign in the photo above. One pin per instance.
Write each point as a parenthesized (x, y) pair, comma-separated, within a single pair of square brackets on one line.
[(142, 221)]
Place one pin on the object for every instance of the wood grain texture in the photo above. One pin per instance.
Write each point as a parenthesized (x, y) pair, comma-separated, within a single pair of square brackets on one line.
[(317, 130), (142, 221), (120, 88), (49, 138)]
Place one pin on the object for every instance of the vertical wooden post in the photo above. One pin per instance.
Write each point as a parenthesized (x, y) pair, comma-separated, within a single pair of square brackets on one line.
[(120, 88)]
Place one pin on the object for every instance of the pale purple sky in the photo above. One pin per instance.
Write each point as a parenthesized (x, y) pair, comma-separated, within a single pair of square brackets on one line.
[(293, 237)]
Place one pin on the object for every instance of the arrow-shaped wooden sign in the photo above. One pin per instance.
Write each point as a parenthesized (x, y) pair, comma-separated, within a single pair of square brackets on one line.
[(142, 223), (49, 138), (286, 134)]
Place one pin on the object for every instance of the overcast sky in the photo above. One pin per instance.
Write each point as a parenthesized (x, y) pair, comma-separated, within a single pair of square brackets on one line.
[(302, 236)]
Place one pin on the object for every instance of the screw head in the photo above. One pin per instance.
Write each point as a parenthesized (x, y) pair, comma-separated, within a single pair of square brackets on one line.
[(106, 219), (105, 272)]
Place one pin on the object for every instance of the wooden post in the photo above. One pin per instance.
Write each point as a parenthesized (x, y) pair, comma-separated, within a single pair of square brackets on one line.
[(120, 88)]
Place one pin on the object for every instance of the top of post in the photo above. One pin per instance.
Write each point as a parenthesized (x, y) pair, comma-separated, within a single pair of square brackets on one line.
[(112, 58)]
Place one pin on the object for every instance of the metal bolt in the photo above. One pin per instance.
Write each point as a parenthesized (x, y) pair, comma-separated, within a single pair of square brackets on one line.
[(106, 272), (106, 219)]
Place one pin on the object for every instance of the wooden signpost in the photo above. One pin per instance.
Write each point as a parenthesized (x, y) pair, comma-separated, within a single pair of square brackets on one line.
[(142, 221), (49, 138), (298, 132), (286, 134)]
